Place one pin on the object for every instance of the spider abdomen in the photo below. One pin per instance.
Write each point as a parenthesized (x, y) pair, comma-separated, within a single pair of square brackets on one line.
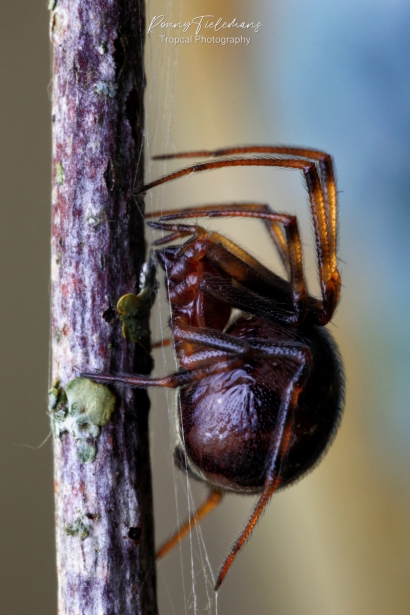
[(225, 430), (228, 421)]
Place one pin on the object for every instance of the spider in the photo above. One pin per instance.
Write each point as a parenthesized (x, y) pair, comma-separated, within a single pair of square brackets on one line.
[(260, 381)]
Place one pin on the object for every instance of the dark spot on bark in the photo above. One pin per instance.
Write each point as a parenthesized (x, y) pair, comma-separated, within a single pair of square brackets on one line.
[(90, 516), (132, 111), (53, 117), (61, 241), (119, 56), (109, 176), (109, 315), (135, 533)]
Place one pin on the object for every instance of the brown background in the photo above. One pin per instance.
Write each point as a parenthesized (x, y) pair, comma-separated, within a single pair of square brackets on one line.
[(335, 544)]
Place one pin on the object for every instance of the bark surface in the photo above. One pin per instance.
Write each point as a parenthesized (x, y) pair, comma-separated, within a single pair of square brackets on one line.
[(105, 551)]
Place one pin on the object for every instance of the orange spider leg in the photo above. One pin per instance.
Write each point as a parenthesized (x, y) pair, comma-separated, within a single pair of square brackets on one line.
[(162, 343), (263, 501), (279, 452), (213, 499), (323, 159), (274, 228)]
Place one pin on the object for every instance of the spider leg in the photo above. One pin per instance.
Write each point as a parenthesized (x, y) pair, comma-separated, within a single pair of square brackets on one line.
[(278, 309), (279, 450), (220, 345), (172, 381), (277, 235), (264, 499), (274, 229), (323, 159), (322, 215), (172, 237), (203, 364), (179, 230), (161, 343), (213, 499)]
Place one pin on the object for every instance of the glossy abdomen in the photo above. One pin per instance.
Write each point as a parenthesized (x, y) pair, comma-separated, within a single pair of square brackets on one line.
[(228, 421)]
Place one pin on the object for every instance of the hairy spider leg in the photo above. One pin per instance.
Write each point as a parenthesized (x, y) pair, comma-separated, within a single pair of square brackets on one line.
[(179, 230), (245, 299), (327, 263), (323, 159), (274, 229), (252, 274), (213, 499), (263, 501), (280, 447), (172, 381)]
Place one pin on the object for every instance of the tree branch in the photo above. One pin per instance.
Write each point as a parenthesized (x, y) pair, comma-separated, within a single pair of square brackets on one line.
[(102, 473)]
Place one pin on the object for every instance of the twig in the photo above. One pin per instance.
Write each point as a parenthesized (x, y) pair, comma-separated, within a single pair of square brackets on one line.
[(102, 473)]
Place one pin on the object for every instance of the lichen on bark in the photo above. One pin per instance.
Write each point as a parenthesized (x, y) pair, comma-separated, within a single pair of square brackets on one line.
[(97, 253)]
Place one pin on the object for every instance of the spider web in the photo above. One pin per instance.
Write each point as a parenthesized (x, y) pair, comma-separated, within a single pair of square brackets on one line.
[(197, 582)]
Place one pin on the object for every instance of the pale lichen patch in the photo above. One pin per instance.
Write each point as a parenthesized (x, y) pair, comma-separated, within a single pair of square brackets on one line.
[(96, 218), (81, 409), (91, 401), (108, 89), (59, 25), (86, 452)]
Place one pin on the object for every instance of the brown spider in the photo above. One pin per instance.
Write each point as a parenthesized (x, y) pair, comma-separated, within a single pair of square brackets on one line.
[(260, 395)]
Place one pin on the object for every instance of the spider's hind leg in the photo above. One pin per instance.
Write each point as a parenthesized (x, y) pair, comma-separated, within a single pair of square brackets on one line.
[(213, 499), (279, 450)]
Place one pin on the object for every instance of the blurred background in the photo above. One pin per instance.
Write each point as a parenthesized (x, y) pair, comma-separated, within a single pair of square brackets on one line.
[(333, 76)]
